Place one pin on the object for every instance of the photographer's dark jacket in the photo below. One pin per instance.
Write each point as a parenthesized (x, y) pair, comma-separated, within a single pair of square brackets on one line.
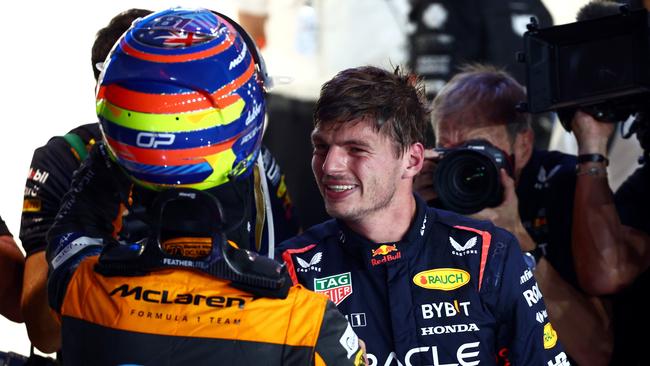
[(451, 292), (545, 190), (631, 304)]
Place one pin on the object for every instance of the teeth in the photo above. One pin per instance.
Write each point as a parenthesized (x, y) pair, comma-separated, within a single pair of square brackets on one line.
[(340, 188)]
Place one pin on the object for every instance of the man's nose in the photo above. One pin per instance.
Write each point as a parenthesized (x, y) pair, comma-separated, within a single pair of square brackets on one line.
[(335, 161)]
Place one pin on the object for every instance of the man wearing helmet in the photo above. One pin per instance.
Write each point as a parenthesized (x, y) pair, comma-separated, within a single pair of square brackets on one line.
[(181, 109), (50, 176)]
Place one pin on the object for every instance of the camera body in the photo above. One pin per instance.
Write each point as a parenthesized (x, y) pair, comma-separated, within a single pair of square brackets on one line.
[(601, 66), (467, 177)]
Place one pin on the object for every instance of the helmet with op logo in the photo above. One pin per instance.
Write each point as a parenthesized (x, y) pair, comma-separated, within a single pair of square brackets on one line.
[(181, 100)]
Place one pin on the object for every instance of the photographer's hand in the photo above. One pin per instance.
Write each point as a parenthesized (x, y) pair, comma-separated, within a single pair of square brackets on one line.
[(423, 182), (592, 135), (506, 215)]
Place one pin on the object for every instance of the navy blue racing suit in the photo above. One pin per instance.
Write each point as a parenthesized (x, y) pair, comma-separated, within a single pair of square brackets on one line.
[(453, 291)]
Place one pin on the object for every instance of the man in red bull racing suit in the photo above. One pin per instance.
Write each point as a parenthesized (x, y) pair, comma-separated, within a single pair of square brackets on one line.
[(421, 286)]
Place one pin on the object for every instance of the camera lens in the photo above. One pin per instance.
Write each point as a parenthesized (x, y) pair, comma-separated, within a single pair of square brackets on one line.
[(468, 181), (471, 177)]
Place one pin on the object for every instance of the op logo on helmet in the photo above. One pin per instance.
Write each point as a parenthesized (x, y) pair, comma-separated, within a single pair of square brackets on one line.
[(149, 139)]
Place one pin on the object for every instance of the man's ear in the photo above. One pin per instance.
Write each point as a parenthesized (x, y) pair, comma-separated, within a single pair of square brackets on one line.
[(413, 160), (523, 149)]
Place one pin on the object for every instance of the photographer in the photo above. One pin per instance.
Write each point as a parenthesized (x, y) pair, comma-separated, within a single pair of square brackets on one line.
[(611, 234), (480, 104)]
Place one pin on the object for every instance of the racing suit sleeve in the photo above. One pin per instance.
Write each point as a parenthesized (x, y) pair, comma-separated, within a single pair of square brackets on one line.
[(530, 337), (337, 343), (85, 221), (50, 173)]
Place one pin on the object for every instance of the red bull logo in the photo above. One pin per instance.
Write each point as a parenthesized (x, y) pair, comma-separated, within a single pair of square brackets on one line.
[(384, 250)]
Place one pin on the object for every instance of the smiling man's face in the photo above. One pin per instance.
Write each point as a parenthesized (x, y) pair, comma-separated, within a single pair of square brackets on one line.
[(356, 168)]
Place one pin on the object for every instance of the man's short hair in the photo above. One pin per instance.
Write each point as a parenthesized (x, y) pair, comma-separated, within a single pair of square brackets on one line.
[(394, 100), (107, 36), (482, 95)]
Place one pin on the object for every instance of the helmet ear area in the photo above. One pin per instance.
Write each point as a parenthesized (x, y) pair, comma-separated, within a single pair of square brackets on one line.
[(263, 77)]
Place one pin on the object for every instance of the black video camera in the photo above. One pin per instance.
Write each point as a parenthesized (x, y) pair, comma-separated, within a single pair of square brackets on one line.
[(467, 178), (601, 66)]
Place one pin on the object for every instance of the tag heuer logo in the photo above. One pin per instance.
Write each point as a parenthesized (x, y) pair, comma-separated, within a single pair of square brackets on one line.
[(336, 287)]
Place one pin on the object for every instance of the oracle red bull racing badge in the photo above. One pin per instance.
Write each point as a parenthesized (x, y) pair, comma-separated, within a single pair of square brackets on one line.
[(336, 287), (385, 253)]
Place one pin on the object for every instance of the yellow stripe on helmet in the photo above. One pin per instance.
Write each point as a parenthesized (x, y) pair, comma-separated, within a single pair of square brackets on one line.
[(177, 122)]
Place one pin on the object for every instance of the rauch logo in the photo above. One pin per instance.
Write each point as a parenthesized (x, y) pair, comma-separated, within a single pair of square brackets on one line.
[(445, 279), (337, 287), (550, 336)]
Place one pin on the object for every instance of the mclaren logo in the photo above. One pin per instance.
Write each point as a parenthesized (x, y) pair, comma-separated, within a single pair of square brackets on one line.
[(461, 250), (445, 279), (164, 297)]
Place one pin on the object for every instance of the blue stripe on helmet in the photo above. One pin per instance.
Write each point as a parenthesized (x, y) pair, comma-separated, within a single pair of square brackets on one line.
[(184, 174)]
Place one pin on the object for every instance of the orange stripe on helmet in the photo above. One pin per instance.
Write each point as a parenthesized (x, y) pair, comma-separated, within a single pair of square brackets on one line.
[(167, 157), (486, 239), (235, 84), (171, 103), (177, 58), (161, 103)]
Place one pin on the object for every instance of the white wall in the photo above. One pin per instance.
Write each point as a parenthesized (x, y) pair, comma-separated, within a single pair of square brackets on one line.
[(47, 88)]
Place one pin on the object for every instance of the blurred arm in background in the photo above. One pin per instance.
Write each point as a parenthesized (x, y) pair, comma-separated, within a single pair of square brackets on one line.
[(12, 263)]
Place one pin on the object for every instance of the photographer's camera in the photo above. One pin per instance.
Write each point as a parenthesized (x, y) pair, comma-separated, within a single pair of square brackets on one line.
[(467, 178)]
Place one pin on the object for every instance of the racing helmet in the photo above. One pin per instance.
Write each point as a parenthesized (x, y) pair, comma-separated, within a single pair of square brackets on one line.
[(181, 100)]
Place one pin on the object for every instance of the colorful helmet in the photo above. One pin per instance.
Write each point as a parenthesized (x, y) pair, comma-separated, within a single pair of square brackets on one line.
[(181, 100)]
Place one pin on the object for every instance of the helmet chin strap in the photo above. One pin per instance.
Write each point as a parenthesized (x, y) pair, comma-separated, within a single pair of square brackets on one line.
[(242, 196)]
